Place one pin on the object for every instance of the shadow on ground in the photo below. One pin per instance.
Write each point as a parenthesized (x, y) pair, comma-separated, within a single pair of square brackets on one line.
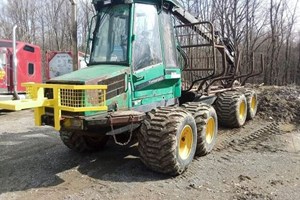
[(35, 159)]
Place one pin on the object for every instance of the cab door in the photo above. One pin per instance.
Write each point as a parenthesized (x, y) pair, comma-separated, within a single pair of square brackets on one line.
[(147, 64)]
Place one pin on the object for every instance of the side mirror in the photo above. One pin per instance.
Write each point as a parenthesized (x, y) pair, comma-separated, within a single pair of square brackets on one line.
[(90, 37)]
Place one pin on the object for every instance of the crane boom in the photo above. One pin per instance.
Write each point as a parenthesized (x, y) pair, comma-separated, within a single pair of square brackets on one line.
[(187, 18)]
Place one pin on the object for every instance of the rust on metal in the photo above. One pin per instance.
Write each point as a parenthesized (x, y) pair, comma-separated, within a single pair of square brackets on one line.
[(125, 117)]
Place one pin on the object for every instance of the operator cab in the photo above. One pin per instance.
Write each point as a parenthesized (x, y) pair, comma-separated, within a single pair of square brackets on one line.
[(130, 33), (138, 35)]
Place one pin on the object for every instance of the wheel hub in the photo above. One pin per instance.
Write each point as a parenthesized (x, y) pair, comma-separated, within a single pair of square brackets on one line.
[(210, 130), (185, 142), (242, 109), (253, 103)]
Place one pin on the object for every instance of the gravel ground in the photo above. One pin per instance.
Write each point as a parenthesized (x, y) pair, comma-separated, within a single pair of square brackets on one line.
[(259, 161)]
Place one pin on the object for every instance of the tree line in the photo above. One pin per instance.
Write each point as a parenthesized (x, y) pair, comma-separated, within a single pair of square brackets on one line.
[(256, 27)]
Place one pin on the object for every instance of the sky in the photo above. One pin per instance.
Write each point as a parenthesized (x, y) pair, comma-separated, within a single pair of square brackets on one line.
[(292, 6), (2, 2)]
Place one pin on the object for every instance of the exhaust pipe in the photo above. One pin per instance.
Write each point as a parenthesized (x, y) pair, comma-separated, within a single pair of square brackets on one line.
[(15, 77)]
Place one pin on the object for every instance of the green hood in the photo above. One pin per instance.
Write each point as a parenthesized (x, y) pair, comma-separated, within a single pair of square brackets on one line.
[(92, 73)]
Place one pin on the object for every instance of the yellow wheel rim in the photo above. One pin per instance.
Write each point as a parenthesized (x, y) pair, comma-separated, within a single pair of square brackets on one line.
[(210, 130), (242, 110), (185, 142), (253, 103)]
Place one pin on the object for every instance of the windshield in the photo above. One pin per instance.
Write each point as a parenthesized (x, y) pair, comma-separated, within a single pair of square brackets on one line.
[(110, 38)]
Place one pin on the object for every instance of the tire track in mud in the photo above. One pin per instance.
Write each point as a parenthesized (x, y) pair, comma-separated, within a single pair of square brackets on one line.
[(236, 140), (240, 142)]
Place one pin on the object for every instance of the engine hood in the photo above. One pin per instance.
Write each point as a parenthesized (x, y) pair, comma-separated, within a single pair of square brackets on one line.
[(91, 74)]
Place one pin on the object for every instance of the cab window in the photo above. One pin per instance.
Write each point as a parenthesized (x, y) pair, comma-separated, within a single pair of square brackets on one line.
[(147, 45)]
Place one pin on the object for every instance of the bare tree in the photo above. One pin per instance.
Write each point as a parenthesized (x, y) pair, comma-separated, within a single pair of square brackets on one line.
[(254, 26)]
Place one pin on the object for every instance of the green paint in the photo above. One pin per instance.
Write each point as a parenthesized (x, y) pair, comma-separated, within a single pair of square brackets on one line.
[(144, 86), (93, 72)]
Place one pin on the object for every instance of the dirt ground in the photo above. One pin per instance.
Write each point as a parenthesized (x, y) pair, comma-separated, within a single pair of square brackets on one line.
[(259, 161)]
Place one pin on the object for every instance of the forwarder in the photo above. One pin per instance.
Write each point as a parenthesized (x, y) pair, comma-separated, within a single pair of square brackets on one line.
[(155, 72)]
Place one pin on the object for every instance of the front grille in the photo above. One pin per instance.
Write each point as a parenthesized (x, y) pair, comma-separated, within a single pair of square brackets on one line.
[(64, 102), (77, 98), (72, 98)]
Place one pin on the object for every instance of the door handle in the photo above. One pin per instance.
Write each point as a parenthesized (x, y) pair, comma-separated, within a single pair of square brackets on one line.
[(138, 78)]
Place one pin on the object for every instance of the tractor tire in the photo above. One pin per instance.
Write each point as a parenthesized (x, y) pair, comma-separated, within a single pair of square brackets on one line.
[(231, 109), (83, 143), (251, 97), (207, 126), (168, 140)]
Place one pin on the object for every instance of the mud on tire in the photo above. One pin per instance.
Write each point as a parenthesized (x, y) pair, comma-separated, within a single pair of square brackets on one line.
[(167, 140), (231, 109), (81, 143), (207, 126)]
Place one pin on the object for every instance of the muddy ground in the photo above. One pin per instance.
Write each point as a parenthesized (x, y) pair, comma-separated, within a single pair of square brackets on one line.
[(259, 161)]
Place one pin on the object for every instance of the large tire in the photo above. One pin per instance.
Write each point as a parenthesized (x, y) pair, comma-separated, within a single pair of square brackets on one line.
[(251, 97), (231, 109), (207, 126), (167, 140), (82, 143)]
